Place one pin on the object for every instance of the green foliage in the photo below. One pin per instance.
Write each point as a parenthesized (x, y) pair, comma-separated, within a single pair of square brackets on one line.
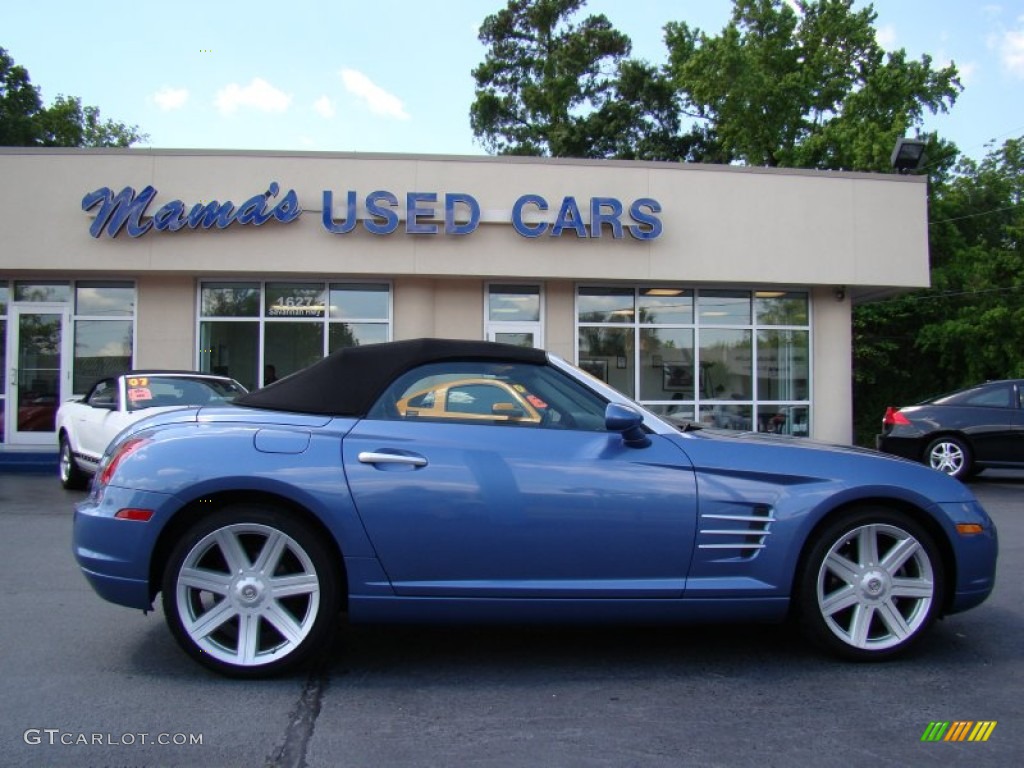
[(542, 78), (807, 90), (24, 122), (969, 326)]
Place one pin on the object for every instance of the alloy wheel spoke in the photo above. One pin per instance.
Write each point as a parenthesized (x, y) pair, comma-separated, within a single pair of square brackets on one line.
[(860, 626), (917, 588), (894, 620), (867, 545), (842, 568), (283, 622), (839, 600), (208, 581), (231, 549), (208, 622), (248, 637), (299, 584), (270, 555), (895, 558)]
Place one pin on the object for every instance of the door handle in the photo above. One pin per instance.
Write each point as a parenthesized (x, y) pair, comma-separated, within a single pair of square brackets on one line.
[(375, 457)]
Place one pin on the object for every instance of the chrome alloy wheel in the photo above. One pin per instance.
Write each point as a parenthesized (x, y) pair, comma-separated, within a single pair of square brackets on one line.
[(247, 594), (947, 456), (875, 587)]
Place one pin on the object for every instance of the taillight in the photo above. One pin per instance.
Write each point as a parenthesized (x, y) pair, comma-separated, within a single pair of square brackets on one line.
[(127, 448), (893, 417)]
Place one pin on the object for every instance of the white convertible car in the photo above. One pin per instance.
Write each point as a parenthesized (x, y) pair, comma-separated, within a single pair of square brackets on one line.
[(86, 425)]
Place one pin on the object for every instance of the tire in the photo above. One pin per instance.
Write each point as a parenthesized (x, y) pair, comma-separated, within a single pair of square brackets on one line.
[(950, 455), (872, 583), (219, 590), (71, 475)]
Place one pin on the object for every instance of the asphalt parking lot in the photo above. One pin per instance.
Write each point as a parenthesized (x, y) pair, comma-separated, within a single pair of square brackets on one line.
[(86, 683)]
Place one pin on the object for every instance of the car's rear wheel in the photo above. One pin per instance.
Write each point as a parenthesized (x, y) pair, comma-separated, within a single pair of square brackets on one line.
[(71, 476), (251, 592), (950, 455), (872, 583)]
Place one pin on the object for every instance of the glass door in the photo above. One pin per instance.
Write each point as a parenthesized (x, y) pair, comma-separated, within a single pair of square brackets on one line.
[(37, 372)]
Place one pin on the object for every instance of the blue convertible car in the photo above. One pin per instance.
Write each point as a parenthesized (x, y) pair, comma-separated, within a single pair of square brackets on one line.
[(458, 481)]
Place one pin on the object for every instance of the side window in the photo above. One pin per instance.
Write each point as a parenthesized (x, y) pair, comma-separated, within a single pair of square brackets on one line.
[(104, 394), (997, 397), (491, 393)]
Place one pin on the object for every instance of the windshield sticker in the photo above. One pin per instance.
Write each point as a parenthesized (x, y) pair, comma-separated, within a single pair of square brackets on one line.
[(536, 402), (137, 394)]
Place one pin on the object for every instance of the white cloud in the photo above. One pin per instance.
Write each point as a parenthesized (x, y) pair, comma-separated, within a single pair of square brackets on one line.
[(1011, 51), (258, 94), (886, 37), (966, 71), (376, 98), (168, 98), (324, 107)]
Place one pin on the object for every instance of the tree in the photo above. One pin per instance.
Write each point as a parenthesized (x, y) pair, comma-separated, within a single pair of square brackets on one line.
[(969, 326), (807, 88), (543, 78), (24, 122)]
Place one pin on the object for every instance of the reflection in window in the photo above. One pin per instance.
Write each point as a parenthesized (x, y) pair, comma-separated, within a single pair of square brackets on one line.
[(102, 348), (102, 299), (513, 303), (43, 291), (724, 307), (605, 305), (731, 359), (259, 332), (230, 300)]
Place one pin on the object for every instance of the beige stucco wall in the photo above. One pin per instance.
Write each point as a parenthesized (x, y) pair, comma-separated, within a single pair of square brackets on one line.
[(722, 226)]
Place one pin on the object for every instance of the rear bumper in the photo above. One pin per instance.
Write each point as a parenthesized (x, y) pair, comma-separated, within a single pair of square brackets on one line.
[(904, 447)]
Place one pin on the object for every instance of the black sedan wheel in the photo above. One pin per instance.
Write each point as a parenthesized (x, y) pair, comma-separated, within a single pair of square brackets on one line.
[(250, 592), (71, 477), (950, 455), (871, 585)]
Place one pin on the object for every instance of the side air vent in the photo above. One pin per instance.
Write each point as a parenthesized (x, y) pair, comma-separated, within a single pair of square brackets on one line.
[(741, 533)]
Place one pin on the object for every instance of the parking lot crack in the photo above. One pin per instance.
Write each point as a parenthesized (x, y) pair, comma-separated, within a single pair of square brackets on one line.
[(302, 722)]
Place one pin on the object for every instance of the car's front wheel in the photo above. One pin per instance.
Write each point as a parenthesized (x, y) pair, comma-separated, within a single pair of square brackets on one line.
[(872, 583), (251, 592), (950, 455), (71, 477)]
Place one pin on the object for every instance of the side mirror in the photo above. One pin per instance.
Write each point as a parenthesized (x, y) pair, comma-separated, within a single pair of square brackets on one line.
[(629, 422)]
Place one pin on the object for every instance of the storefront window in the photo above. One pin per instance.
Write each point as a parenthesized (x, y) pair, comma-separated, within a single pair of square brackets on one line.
[(231, 349), (260, 332), (104, 331), (724, 307), (606, 305), (607, 353), (289, 347), (102, 348), (43, 291), (230, 300), (513, 303), (729, 359)]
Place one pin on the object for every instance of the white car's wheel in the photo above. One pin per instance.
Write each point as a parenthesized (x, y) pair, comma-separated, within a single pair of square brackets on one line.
[(71, 476), (872, 584), (250, 592)]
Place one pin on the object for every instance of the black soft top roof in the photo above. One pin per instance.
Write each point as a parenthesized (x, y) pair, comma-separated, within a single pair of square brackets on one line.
[(349, 381)]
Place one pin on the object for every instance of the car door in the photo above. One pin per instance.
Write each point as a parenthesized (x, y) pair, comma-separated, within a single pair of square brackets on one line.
[(560, 508), (101, 418)]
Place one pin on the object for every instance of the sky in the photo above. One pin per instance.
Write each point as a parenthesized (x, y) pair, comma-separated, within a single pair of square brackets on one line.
[(342, 76)]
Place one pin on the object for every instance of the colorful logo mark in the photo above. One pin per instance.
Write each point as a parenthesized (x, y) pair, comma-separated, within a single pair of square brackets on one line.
[(959, 730)]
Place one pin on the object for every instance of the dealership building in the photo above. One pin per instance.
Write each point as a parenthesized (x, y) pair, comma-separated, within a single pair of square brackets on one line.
[(714, 294)]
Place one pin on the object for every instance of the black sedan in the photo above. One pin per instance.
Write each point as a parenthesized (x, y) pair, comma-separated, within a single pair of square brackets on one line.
[(961, 433)]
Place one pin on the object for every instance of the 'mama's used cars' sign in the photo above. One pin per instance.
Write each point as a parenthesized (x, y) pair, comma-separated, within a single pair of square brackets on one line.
[(379, 213)]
